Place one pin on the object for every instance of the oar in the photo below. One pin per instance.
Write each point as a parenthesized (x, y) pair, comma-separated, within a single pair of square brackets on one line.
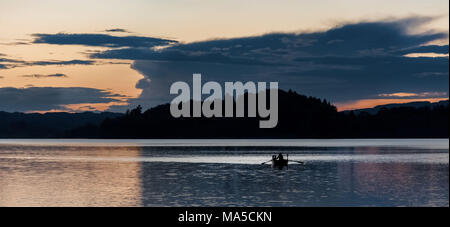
[(265, 162), (297, 161)]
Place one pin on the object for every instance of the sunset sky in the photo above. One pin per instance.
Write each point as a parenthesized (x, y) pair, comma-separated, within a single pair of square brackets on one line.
[(113, 55)]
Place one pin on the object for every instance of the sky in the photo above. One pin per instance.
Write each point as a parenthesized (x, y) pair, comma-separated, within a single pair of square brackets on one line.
[(112, 55)]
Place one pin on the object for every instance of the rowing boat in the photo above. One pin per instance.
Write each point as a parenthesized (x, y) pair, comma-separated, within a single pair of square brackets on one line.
[(279, 163)]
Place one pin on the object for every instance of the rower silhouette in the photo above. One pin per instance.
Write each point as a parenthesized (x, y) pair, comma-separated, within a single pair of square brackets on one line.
[(280, 157)]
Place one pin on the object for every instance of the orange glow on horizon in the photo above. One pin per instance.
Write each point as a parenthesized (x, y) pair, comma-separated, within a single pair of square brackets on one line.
[(370, 103), (83, 107)]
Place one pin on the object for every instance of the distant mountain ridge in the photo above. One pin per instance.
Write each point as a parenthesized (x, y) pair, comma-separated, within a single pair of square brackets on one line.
[(376, 109), (48, 125)]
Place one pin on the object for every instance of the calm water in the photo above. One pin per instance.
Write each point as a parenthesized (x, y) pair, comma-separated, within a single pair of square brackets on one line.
[(223, 173)]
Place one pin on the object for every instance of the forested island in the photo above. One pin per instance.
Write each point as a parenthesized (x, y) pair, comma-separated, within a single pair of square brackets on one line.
[(299, 117)]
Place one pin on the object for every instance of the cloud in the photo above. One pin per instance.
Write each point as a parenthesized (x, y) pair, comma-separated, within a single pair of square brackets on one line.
[(345, 63), (359, 60), (415, 95), (143, 83), (426, 49), (50, 98), (117, 30), (9, 60), (6, 63), (17, 43), (101, 40), (57, 75), (431, 74), (358, 39), (55, 62), (13, 63)]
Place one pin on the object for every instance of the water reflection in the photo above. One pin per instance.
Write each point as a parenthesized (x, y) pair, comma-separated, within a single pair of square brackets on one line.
[(40, 178), (394, 184), (55, 175), (317, 184)]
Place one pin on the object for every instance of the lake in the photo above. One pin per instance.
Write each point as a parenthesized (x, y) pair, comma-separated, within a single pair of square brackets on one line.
[(377, 172)]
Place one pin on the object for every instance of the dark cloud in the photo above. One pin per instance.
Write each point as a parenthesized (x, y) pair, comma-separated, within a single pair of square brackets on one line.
[(175, 55), (426, 49), (117, 30), (102, 40), (414, 95), (360, 39), (57, 75), (71, 62), (12, 63), (348, 62), (9, 60), (143, 83), (48, 98), (6, 63), (431, 74), (16, 43)]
